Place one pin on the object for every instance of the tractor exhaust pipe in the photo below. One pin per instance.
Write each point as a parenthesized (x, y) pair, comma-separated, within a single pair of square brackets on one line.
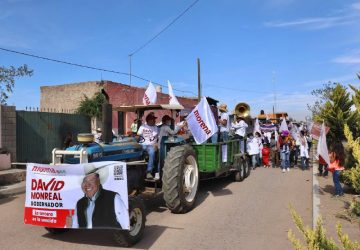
[(107, 135)]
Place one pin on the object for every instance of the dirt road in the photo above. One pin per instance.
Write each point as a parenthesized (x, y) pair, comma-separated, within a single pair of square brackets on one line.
[(252, 214)]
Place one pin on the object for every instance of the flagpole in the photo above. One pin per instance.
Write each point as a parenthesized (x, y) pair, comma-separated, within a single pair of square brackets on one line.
[(199, 82)]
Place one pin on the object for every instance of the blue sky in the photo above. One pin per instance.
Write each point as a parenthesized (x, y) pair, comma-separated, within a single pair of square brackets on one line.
[(250, 51)]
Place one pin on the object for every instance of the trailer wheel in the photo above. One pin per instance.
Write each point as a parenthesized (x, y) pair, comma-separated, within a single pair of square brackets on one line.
[(180, 179), (247, 166), (239, 175), (54, 231), (127, 238)]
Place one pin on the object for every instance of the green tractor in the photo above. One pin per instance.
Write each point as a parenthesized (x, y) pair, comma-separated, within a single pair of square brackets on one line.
[(184, 163)]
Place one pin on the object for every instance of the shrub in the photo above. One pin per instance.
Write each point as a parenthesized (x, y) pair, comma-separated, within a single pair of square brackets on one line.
[(316, 239)]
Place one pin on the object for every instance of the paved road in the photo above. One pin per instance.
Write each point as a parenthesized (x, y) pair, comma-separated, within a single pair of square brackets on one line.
[(229, 215)]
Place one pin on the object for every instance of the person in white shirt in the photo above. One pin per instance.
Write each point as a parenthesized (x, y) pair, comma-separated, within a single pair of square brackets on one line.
[(98, 135), (240, 131), (224, 123), (253, 149), (148, 139)]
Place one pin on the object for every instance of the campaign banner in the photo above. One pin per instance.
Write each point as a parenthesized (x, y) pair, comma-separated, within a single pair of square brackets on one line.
[(150, 95), (316, 128), (172, 98), (89, 195), (201, 122), (268, 127)]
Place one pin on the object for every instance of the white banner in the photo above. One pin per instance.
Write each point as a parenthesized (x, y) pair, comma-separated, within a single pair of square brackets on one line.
[(91, 195), (150, 95), (283, 126), (172, 98), (201, 122), (322, 146), (256, 127)]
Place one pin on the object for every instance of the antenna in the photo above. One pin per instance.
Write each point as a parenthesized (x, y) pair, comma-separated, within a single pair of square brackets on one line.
[(274, 84)]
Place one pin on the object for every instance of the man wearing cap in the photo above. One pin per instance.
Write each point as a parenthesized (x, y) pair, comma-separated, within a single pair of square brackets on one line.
[(99, 208), (224, 123), (149, 137)]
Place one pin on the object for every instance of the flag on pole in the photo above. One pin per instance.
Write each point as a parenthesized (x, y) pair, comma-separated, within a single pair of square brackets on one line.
[(172, 98), (322, 146), (150, 95), (201, 122), (257, 126), (283, 126)]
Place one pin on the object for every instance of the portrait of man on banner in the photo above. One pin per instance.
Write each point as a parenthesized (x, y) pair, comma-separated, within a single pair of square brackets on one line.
[(89, 195), (99, 207)]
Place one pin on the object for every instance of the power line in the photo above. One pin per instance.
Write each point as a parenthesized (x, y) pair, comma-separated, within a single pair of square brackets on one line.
[(88, 67), (165, 28)]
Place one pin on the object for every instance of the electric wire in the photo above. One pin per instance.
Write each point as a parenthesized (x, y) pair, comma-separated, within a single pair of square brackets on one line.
[(89, 67), (164, 29)]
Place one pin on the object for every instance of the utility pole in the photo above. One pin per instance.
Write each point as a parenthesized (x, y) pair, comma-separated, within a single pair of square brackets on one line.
[(130, 67), (199, 82), (273, 80)]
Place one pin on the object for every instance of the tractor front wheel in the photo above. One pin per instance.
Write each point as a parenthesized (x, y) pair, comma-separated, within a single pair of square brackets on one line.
[(180, 179), (137, 216)]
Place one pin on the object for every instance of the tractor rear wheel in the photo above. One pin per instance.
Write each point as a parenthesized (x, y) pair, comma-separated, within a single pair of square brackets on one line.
[(137, 215), (180, 179)]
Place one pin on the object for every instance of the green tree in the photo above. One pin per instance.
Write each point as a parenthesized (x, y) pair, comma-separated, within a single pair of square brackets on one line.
[(336, 112), (7, 79), (322, 95), (92, 106)]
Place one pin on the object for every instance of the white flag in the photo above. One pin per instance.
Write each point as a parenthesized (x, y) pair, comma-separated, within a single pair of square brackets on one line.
[(283, 126), (257, 126), (201, 122), (322, 146), (172, 98), (150, 95)]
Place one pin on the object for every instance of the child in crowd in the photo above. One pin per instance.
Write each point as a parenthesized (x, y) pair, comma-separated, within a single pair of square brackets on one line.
[(337, 159), (266, 156)]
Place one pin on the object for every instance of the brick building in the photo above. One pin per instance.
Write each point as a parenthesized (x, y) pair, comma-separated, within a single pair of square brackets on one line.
[(67, 97)]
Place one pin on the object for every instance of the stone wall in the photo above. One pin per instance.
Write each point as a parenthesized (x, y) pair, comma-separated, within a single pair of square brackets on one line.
[(8, 130)]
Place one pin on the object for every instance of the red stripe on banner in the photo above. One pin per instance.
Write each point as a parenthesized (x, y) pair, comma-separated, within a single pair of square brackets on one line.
[(46, 217)]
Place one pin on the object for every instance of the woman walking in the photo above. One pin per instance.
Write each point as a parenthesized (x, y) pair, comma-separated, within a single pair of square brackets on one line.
[(337, 159)]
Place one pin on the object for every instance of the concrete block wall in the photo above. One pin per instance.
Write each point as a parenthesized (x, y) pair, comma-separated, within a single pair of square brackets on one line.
[(8, 130), (66, 97)]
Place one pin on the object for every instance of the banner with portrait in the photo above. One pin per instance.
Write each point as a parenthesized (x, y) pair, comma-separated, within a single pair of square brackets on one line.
[(89, 195)]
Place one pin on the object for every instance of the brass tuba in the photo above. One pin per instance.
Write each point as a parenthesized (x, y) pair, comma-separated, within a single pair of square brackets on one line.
[(242, 109)]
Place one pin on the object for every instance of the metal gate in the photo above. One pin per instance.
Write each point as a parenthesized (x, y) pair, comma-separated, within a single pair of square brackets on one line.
[(38, 133)]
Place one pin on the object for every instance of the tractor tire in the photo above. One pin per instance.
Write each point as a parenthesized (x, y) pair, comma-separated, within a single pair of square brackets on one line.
[(55, 231), (239, 175), (180, 179), (127, 238), (247, 166)]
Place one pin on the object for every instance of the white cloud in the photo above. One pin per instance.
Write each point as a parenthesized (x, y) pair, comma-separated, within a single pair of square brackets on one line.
[(313, 23), (349, 15), (356, 6), (350, 59), (341, 79)]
